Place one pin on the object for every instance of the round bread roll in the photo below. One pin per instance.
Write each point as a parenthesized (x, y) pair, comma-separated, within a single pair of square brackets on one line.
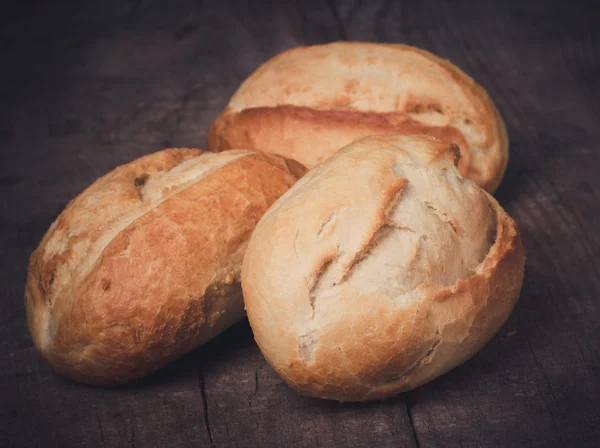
[(380, 270), (144, 265), (310, 101)]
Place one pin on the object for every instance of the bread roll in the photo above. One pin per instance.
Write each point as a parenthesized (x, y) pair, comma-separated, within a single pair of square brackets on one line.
[(310, 101), (144, 265), (380, 270)]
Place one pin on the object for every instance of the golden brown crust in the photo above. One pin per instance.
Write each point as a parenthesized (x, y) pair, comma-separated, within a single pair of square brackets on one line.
[(392, 277), (309, 101), (293, 129), (144, 265)]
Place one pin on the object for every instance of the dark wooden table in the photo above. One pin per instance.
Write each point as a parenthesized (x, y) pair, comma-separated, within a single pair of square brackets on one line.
[(86, 86)]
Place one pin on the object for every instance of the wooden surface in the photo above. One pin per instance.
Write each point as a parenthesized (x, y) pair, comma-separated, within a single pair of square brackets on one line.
[(86, 86)]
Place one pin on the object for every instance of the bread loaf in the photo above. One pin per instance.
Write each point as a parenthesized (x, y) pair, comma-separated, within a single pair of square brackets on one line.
[(380, 270), (144, 265), (310, 101)]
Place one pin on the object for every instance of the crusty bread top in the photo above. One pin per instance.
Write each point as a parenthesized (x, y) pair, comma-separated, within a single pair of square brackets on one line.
[(144, 265), (412, 85), (92, 220), (381, 269), (402, 219)]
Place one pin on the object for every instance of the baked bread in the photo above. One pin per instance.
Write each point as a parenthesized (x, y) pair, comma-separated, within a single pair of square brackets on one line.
[(380, 270), (144, 265), (310, 101)]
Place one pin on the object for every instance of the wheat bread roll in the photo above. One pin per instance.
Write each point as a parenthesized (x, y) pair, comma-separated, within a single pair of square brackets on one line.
[(144, 265), (308, 102), (380, 270)]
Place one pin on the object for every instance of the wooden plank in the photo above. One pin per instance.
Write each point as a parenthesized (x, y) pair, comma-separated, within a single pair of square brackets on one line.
[(92, 86), (41, 409), (249, 405)]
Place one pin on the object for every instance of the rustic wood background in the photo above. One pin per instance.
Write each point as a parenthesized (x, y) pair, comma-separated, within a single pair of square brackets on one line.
[(86, 86)]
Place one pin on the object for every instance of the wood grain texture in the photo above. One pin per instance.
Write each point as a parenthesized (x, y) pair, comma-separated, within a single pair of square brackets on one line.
[(87, 86)]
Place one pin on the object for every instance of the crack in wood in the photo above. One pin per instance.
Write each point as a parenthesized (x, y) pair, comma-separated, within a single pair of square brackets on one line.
[(205, 406), (132, 430), (100, 427), (411, 422), (541, 368)]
